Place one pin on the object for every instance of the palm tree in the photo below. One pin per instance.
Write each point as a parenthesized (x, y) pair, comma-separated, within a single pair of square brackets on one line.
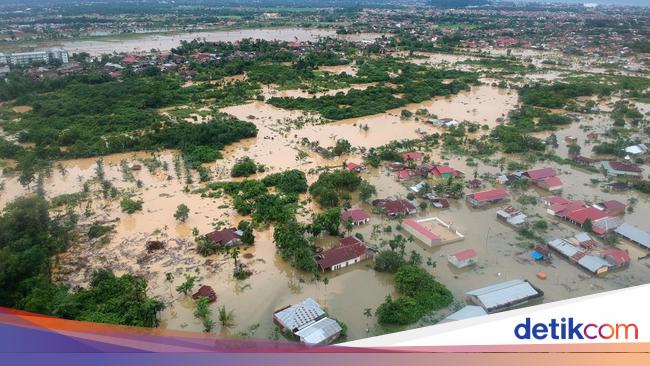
[(226, 318), (367, 312)]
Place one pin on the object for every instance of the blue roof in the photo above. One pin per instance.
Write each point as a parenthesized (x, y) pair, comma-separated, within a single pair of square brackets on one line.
[(536, 255)]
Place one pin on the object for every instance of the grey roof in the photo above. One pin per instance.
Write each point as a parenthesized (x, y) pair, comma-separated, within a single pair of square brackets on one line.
[(563, 247), (319, 332), (469, 311), (634, 234), (504, 293), (582, 237), (592, 263), (300, 315)]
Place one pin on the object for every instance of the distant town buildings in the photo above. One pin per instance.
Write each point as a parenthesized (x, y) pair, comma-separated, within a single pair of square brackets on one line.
[(27, 58)]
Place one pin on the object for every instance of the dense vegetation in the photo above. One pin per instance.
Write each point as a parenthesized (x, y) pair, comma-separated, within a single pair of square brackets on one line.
[(331, 187), (29, 237), (420, 294)]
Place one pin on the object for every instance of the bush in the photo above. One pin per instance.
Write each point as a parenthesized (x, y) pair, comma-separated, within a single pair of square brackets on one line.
[(244, 167), (388, 261), (404, 310), (130, 206)]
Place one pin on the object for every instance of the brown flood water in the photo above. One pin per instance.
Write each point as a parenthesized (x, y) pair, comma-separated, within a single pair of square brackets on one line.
[(274, 284)]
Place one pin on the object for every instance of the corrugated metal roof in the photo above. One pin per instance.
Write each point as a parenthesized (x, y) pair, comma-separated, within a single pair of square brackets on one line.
[(504, 293), (563, 247), (469, 311), (318, 332), (635, 234), (299, 315), (593, 263)]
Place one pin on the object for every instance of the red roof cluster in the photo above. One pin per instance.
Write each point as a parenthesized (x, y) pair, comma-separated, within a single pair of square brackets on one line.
[(625, 166), (581, 215)]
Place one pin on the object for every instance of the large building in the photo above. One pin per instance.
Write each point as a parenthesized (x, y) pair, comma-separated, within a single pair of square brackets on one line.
[(27, 58)]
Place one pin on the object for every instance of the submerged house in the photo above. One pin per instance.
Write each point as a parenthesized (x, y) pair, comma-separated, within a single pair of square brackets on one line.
[(485, 198), (620, 168), (308, 321), (205, 291), (357, 216), (545, 178), (226, 237), (512, 217), (578, 256), (395, 208), (350, 251), (635, 235), (464, 258), (505, 295)]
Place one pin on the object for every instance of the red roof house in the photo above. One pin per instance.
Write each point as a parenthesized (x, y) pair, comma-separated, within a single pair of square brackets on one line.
[(205, 291), (351, 250), (613, 207), (542, 173), (415, 156), (226, 237), (484, 198), (616, 257), (551, 201), (580, 216), (357, 216), (444, 171), (394, 208), (354, 167), (550, 183), (463, 258)]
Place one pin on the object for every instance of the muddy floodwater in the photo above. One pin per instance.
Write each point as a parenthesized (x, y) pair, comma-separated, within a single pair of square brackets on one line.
[(145, 42), (502, 253)]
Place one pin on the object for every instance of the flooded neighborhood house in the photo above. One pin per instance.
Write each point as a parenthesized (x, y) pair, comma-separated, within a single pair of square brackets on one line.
[(307, 320)]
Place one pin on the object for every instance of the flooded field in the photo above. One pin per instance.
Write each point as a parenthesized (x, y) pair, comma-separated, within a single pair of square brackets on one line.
[(502, 253), (145, 42)]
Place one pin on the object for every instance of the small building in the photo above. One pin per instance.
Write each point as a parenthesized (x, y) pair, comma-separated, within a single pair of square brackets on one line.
[(205, 291), (354, 167), (550, 184), (512, 217), (539, 174), (617, 258), (444, 171), (413, 156), (421, 233), (395, 208), (620, 168), (635, 235), (583, 160), (505, 295), (226, 237), (463, 259), (357, 216), (612, 207), (308, 321), (467, 312), (323, 332), (594, 264), (485, 198), (350, 251)]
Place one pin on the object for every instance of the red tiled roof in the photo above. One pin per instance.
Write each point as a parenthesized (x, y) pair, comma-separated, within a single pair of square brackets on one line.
[(421, 229), (443, 169), (224, 236), (541, 173), (350, 240), (493, 194), (570, 206), (465, 254), (612, 205), (619, 256), (625, 167), (556, 200), (341, 254), (404, 174), (416, 155), (581, 215), (394, 207), (354, 215), (552, 182), (353, 166), (206, 291)]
